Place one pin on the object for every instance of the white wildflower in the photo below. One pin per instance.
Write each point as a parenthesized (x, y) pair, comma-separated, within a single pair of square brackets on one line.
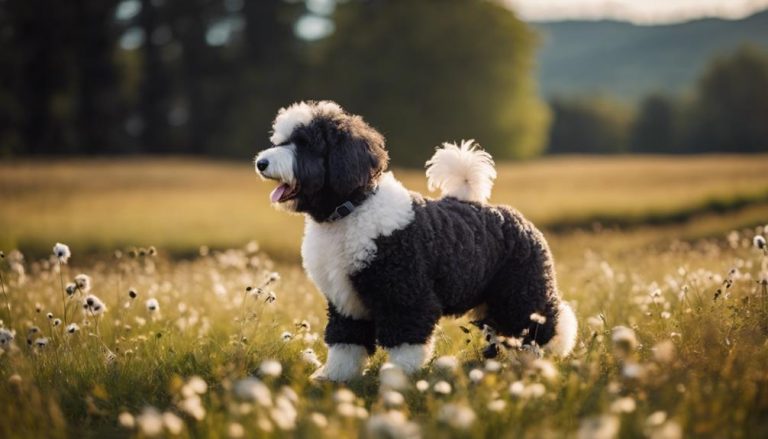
[(392, 377), (344, 395), (391, 424), (599, 427), (252, 389), (56, 322), (546, 369), (150, 422), (442, 387), (83, 283), (172, 423), (457, 416), (61, 251), (93, 305), (664, 351), (492, 366), (41, 342), (517, 388), (193, 406), (476, 375), (319, 419), (392, 399), (447, 362), (497, 405), (759, 242), (6, 337), (656, 418), (624, 339), (152, 305), (595, 323), (534, 390), (194, 386), (623, 405), (422, 386), (271, 368), (286, 336), (310, 357), (126, 420), (235, 430), (284, 414)]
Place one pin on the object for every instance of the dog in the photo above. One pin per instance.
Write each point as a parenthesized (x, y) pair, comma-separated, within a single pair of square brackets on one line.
[(390, 262)]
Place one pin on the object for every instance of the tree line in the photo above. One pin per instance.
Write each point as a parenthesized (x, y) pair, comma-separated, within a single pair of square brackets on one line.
[(207, 76), (727, 111)]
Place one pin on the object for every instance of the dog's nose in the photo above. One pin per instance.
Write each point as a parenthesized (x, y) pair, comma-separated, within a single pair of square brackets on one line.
[(262, 164)]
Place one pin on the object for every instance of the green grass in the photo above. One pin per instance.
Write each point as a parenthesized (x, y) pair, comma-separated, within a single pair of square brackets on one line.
[(696, 369)]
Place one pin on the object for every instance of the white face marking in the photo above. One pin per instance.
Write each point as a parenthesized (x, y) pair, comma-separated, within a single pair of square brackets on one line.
[(288, 119), (281, 163)]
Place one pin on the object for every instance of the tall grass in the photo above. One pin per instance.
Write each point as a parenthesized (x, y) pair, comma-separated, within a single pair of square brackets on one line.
[(672, 344)]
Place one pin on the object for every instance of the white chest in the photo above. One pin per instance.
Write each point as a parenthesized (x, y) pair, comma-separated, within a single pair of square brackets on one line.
[(333, 251), (331, 255)]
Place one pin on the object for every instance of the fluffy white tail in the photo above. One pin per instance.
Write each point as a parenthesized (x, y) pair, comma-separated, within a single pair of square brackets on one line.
[(565, 332), (465, 172)]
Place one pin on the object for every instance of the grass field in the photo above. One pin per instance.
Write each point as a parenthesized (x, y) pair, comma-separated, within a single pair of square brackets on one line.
[(180, 204), (672, 304)]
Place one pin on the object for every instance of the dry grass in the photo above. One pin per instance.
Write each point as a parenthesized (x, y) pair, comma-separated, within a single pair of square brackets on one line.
[(180, 204)]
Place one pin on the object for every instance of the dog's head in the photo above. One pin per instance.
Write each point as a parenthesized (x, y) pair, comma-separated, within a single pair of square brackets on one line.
[(321, 158)]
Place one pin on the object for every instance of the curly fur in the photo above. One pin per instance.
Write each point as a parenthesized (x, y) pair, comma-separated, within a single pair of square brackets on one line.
[(398, 261)]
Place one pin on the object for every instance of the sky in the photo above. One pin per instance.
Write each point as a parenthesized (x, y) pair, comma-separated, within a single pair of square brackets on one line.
[(647, 12)]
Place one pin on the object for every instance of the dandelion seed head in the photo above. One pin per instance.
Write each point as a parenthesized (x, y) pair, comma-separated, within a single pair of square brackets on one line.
[(392, 399), (392, 377), (442, 387), (448, 363), (623, 405), (497, 405), (72, 328), (235, 430), (271, 368), (61, 251), (458, 416), (344, 395), (599, 427), (391, 424), (6, 337), (253, 390), (93, 305), (126, 420), (83, 282), (476, 375), (150, 422)]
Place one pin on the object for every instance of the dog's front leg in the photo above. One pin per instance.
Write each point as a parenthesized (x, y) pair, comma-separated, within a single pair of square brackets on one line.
[(350, 342), (406, 334)]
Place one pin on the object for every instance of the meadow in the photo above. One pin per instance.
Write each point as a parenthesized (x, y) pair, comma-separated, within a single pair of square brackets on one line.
[(182, 311)]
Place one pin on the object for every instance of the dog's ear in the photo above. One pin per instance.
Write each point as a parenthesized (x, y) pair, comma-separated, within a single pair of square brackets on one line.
[(357, 158)]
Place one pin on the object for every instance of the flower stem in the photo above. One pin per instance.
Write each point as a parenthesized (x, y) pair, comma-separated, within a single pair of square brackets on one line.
[(7, 299), (63, 293)]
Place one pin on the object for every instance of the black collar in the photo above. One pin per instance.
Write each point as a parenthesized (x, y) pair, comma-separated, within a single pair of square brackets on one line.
[(344, 209)]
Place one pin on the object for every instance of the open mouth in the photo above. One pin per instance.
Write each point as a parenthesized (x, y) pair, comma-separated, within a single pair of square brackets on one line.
[(283, 192)]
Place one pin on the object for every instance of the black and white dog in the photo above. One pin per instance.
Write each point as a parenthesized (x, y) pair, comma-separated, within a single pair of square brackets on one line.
[(391, 262)]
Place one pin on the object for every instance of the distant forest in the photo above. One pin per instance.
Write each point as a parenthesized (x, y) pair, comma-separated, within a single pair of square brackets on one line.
[(206, 77)]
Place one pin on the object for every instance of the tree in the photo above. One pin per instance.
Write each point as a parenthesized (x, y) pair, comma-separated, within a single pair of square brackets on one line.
[(657, 126), (590, 126), (432, 71), (731, 108)]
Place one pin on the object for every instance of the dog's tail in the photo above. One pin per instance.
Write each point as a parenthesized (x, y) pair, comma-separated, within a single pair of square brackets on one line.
[(565, 331), (465, 172)]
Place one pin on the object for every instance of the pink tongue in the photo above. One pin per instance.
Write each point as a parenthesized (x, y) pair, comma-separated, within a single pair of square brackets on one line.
[(278, 192)]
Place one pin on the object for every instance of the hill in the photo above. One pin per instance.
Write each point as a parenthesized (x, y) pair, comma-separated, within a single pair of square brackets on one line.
[(629, 61)]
